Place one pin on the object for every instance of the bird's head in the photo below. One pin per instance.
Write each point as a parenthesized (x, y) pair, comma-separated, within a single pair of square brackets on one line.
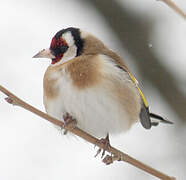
[(66, 44)]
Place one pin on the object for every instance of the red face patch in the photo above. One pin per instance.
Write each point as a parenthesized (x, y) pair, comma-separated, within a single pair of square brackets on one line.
[(58, 42), (57, 59), (57, 46)]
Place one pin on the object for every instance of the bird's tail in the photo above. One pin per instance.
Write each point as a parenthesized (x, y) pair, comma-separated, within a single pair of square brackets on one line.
[(158, 119)]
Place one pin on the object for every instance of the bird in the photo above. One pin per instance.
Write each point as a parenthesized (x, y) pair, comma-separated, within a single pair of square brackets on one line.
[(90, 86)]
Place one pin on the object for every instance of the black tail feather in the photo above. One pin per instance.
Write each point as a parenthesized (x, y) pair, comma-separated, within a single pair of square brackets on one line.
[(163, 120), (154, 123)]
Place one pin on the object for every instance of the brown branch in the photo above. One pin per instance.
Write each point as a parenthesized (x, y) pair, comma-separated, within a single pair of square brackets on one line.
[(173, 6), (116, 154)]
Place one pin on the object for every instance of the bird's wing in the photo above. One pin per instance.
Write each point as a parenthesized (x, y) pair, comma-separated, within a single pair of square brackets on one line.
[(121, 64), (144, 114)]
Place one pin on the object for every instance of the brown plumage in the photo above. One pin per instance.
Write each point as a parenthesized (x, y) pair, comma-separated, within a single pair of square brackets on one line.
[(93, 84), (86, 69), (95, 46)]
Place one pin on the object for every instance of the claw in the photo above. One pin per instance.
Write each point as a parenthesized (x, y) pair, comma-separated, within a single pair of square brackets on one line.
[(106, 144), (110, 159), (103, 153), (69, 122), (98, 152)]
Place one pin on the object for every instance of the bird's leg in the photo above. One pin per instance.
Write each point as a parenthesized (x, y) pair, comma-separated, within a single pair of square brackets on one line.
[(106, 144), (69, 122), (108, 159)]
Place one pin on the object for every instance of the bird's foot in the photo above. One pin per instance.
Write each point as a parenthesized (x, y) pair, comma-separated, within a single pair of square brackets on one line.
[(69, 122), (106, 145), (109, 159)]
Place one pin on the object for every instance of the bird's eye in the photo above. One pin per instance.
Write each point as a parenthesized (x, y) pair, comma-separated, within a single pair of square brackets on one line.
[(63, 48), (58, 46)]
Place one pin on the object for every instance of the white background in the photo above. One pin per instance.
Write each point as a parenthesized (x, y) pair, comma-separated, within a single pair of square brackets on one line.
[(31, 148)]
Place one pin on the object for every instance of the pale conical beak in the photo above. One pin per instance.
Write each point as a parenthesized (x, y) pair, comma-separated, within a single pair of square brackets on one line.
[(45, 53)]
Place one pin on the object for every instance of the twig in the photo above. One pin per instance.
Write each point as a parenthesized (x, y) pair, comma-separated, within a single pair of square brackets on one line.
[(116, 154), (173, 6)]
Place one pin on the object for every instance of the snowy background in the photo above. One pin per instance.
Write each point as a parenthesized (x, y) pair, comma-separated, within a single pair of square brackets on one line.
[(31, 148)]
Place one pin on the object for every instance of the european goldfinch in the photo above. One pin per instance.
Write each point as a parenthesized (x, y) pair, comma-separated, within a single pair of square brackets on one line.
[(91, 83)]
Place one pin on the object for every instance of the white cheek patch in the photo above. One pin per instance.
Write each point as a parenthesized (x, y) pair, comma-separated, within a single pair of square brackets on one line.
[(72, 50), (69, 38), (70, 53)]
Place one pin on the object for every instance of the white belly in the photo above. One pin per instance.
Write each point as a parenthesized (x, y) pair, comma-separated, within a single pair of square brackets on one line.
[(95, 109)]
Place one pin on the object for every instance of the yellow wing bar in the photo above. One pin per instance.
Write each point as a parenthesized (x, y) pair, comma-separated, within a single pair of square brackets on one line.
[(140, 91)]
